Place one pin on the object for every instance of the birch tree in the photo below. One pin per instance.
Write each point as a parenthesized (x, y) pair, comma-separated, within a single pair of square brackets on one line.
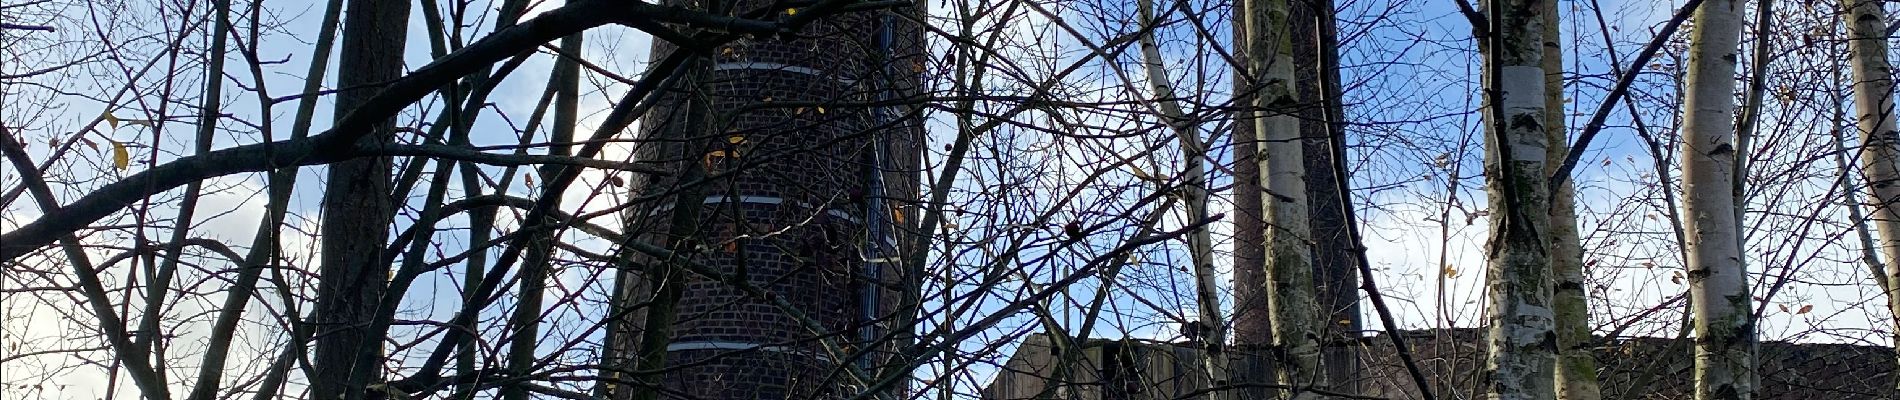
[(1576, 368), (1718, 285), (1193, 194), (1880, 149), (1291, 305), (1522, 342)]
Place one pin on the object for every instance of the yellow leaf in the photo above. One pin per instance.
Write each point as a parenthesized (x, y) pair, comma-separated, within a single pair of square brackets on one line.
[(111, 119), (735, 139), (1450, 271), (821, 110), (1345, 322), (791, 11), (1804, 309), (121, 158)]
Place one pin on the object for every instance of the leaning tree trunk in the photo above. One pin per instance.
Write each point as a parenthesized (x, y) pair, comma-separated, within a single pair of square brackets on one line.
[(1880, 150), (357, 208), (1576, 368), (1718, 289), (1522, 345), (1194, 196), (1291, 307)]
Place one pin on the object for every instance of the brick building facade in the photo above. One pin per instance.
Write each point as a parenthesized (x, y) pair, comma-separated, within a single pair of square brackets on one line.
[(1452, 361), (810, 160)]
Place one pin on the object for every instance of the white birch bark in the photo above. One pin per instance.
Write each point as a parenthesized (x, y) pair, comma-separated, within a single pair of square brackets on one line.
[(1576, 368), (1522, 345), (1193, 195), (1292, 306), (1718, 289), (1880, 150)]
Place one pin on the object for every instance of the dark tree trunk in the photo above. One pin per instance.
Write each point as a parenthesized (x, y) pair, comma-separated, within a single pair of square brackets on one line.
[(357, 209)]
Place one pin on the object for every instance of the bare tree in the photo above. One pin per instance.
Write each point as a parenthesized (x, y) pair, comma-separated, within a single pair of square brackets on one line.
[(1880, 147), (533, 245), (1195, 196)]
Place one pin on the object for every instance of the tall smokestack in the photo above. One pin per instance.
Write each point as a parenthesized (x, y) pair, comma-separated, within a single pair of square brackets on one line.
[(810, 158)]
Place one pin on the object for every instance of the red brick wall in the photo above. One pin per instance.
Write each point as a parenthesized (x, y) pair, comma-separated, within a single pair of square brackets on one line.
[(797, 105)]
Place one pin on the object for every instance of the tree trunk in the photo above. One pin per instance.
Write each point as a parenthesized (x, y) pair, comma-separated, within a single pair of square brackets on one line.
[(526, 322), (1880, 150), (1291, 305), (1718, 289), (666, 279), (1251, 328), (357, 207), (1576, 366), (1193, 194), (1523, 344)]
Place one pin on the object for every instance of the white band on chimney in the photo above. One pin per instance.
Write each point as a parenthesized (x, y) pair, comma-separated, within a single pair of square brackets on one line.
[(772, 66), (771, 200), (732, 346)]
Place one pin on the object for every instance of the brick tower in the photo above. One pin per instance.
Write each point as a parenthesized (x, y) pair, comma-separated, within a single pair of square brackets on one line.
[(800, 156)]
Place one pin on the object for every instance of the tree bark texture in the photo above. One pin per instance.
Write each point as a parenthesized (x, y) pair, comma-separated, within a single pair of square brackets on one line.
[(357, 208), (1718, 285), (1292, 308), (1576, 366), (1522, 344)]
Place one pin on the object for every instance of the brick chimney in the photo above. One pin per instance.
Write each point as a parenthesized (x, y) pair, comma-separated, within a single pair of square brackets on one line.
[(812, 176)]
